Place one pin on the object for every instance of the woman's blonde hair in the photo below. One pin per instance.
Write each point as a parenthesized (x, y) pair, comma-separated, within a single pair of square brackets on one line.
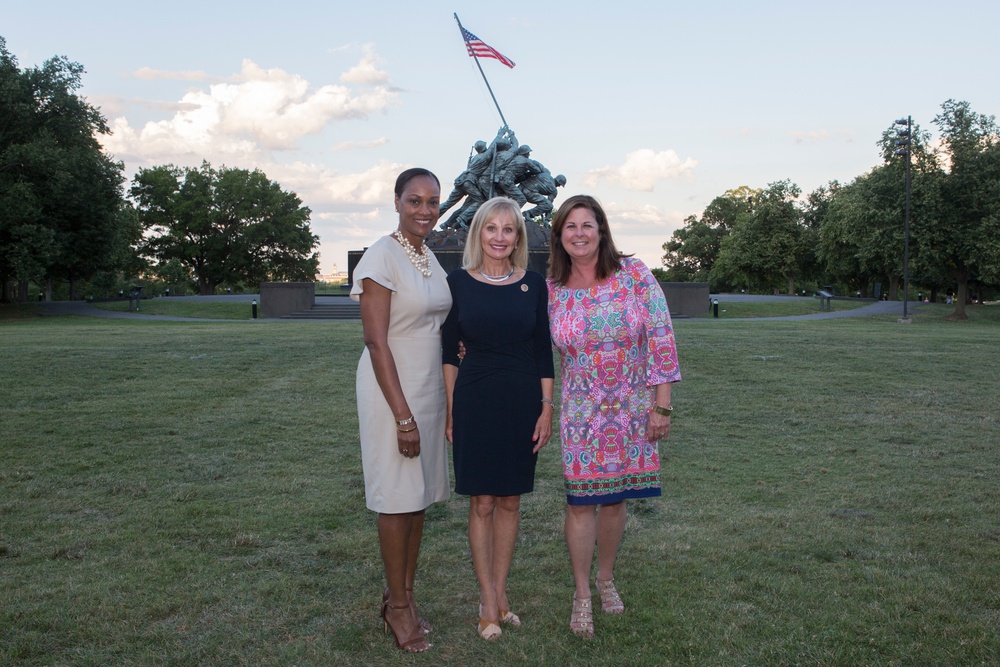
[(472, 258)]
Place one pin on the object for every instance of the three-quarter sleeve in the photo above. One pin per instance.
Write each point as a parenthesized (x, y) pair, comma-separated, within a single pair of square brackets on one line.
[(542, 336), (450, 334), (661, 359)]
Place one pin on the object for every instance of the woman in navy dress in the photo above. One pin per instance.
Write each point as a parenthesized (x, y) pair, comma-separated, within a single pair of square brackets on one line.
[(499, 393)]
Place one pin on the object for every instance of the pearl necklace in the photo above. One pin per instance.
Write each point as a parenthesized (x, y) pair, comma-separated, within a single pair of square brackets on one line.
[(421, 260), (497, 279)]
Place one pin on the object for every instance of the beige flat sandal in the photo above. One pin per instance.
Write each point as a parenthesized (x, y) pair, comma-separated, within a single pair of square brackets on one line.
[(581, 621)]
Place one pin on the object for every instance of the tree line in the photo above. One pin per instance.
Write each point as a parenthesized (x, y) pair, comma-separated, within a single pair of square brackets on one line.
[(67, 222), (851, 236)]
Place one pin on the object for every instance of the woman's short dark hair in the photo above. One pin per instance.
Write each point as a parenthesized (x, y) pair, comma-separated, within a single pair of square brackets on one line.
[(409, 175), (608, 255)]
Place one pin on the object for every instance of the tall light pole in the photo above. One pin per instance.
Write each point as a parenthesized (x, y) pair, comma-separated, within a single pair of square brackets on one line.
[(904, 144)]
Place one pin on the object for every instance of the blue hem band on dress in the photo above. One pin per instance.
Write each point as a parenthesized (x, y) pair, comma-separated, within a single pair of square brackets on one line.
[(612, 498)]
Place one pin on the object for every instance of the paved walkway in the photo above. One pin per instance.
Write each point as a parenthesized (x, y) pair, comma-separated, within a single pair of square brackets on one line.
[(85, 309), (873, 308)]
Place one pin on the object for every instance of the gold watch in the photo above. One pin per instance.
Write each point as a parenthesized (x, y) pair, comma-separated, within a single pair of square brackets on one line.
[(665, 411)]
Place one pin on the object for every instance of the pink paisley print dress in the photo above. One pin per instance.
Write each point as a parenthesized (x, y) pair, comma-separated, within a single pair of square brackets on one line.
[(616, 343)]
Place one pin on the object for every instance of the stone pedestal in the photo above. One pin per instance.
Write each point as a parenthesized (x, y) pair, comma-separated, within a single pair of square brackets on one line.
[(449, 244), (687, 299), (280, 299)]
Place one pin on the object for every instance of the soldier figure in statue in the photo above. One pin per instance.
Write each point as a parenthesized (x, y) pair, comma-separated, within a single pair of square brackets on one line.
[(540, 189), (517, 170), (470, 183), (502, 167), (467, 183)]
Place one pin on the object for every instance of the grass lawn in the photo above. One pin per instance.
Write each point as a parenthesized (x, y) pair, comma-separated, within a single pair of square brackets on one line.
[(738, 309), (214, 310), (191, 494)]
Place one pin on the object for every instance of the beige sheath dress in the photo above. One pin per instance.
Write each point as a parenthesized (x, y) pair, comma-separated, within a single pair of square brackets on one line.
[(395, 484)]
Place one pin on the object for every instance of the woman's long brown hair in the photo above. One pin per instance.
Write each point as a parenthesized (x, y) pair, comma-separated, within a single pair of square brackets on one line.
[(608, 255)]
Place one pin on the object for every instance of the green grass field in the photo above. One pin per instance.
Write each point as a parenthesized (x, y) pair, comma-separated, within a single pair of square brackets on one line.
[(191, 494), (213, 310), (739, 309), (242, 311)]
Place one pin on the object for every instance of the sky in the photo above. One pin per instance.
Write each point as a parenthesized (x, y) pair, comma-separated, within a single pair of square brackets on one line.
[(655, 107)]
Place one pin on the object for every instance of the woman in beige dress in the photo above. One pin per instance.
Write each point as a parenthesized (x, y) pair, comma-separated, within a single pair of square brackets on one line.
[(404, 299)]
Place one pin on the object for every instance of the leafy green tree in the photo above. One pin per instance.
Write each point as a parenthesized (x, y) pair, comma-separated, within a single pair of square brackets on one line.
[(814, 211), (692, 250), (61, 194), (225, 226), (818, 204), (26, 245), (842, 248), (731, 208), (174, 276), (962, 238), (861, 239), (770, 246)]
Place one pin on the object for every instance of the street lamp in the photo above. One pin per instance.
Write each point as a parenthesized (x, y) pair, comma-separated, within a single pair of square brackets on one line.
[(904, 145)]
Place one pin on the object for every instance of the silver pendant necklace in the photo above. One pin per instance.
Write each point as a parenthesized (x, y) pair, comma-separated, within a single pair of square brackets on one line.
[(497, 279)]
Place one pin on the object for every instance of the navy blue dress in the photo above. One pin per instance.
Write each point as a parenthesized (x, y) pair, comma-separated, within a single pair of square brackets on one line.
[(498, 395)]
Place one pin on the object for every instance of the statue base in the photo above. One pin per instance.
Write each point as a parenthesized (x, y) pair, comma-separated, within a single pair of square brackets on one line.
[(448, 245)]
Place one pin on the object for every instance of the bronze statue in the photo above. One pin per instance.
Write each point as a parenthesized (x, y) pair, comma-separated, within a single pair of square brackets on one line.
[(540, 189), (502, 167)]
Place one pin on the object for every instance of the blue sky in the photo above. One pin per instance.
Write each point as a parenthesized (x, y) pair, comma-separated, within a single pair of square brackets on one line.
[(654, 107)]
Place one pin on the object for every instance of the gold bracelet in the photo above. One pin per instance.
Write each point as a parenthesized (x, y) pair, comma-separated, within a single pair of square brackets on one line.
[(408, 430), (665, 411)]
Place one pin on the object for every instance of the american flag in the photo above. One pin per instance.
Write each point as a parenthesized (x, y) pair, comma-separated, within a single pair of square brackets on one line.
[(479, 48)]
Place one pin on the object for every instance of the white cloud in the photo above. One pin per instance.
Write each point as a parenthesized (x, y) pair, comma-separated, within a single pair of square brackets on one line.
[(643, 230), (150, 74), (115, 106), (241, 121), (642, 169), (276, 108), (343, 231), (646, 219), (251, 120), (366, 72), (110, 105), (320, 186), (814, 136), (350, 145)]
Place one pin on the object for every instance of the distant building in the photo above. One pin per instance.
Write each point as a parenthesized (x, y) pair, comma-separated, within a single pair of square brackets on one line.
[(334, 276)]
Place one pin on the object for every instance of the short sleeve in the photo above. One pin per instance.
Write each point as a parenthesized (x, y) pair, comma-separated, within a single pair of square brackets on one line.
[(376, 264)]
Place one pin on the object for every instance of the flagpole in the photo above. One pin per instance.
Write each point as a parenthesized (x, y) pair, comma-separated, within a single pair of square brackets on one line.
[(461, 29)]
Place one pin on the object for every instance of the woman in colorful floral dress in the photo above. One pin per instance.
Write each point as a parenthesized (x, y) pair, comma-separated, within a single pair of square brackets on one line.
[(611, 326)]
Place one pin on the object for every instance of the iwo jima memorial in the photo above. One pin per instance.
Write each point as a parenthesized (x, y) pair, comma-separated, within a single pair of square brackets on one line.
[(502, 167), (505, 167)]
